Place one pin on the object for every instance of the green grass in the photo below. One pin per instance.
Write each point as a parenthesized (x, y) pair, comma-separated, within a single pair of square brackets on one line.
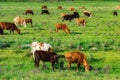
[(102, 31)]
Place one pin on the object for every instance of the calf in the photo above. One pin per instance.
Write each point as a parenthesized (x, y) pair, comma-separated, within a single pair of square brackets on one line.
[(45, 12), (62, 27), (29, 12), (9, 26), (79, 58), (80, 21), (45, 57)]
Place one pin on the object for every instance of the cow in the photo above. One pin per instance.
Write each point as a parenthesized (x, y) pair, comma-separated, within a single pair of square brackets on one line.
[(9, 26), (87, 13), (45, 12), (76, 14), (28, 11), (63, 27), (80, 21), (115, 13), (1, 31), (44, 7), (69, 17), (45, 56), (79, 58), (29, 20), (72, 9), (40, 46), (22, 21), (82, 7), (59, 7)]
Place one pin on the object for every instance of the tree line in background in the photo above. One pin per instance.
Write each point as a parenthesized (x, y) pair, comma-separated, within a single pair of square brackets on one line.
[(50, 0)]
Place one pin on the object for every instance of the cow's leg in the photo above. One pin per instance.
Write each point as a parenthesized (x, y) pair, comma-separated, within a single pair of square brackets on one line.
[(56, 30), (78, 65), (52, 64), (44, 66), (69, 64), (36, 62)]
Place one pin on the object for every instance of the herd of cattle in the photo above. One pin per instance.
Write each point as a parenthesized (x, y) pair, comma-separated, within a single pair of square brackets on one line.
[(65, 17), (43, 51)]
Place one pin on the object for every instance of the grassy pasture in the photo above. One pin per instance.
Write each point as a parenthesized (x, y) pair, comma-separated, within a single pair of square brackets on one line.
[(102, 31)]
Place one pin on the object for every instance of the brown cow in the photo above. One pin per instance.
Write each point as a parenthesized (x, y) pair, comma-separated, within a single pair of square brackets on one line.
[(77, 57), (80, 21), (29, 20), (72, 9), (87, 13), (44, 7), (28, 11), (82, 7), (9, 26), (59, 7), (45, 56), (62, 27)]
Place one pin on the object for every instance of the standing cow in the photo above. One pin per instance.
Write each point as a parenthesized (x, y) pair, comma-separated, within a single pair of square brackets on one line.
[(45, 57)]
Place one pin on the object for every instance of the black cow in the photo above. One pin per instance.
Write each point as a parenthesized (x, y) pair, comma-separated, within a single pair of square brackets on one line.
[(115, 13), (45, 57), (76, 14), (45, 12), (1, 31)]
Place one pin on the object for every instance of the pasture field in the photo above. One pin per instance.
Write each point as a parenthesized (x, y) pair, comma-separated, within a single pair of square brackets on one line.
[(102, 32)]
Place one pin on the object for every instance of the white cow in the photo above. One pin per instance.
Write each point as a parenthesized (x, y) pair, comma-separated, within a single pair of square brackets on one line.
[(40, 46), (18, 20)]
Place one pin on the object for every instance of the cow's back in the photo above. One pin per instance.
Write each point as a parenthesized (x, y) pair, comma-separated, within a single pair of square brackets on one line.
[(44, 55)]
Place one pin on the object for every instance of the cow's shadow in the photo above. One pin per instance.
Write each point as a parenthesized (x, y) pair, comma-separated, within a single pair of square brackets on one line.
[(76, 32)]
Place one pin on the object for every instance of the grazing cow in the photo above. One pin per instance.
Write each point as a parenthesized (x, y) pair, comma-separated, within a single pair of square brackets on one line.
[(87, 13), (45, 57), (80, 21), (45, 12), (22, 21), (115, 13), (29, 12), (62, 27), (1, 31), (72, 9), (29, 20), (44, 7), (9, 26), (40, 46), (59, 7), (68, 17), (79, 58)]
